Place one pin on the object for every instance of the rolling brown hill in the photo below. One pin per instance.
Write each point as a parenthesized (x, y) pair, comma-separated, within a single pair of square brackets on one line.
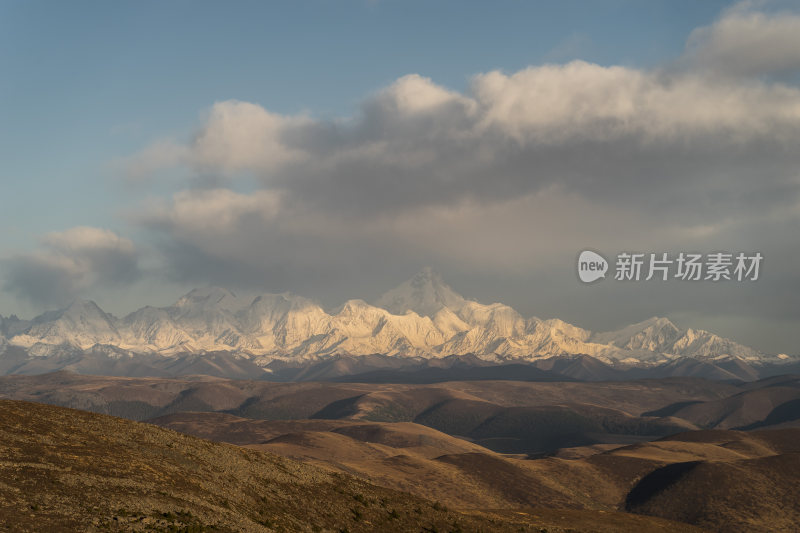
[(401, 455), (463, 475), (70, 470), (497, 415), (508, 446), (775, 402), (303, 400), (750, 484)]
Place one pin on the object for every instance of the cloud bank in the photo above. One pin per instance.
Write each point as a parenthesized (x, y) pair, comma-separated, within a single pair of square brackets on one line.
[(499, 186), (421, 170), (71, 262), (747, 41)]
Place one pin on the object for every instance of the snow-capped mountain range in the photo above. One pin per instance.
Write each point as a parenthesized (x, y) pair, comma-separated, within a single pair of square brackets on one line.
[(422, 317)]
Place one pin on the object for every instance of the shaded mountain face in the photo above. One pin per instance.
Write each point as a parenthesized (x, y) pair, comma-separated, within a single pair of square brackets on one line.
[(422, 317)]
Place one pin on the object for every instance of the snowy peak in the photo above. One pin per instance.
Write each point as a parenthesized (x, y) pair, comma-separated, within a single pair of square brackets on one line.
[(280, 302), (80, 315), (152, 328), (695, 342), (211, 298), (82, 308), (659, 335), (422, 317), (81, 324), (354, 307), (655, 334), (425, 294)]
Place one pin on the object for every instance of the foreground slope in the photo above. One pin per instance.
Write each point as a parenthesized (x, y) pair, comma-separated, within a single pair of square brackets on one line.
[(69, 470), (75, 471), (727, 481)]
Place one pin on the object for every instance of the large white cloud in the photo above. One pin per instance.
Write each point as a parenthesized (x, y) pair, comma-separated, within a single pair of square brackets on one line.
[(563, 104), (660, 140), (506, 181), (415, 122), (746, 41), (509, 178)]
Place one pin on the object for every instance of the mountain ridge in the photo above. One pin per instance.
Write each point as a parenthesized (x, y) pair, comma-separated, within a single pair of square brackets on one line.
[(421, 318)]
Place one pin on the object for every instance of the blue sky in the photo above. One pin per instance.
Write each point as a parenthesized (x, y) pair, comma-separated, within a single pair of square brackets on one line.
[(91, 90), (85, 83)]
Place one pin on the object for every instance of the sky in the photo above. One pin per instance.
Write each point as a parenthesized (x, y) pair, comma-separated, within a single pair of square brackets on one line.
[(332, 149)]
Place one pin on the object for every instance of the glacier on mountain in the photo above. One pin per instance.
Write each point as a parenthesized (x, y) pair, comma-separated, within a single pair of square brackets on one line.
[(422, 317)]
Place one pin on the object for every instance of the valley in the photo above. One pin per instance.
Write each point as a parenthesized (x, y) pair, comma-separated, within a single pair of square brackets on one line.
[(509, 450)]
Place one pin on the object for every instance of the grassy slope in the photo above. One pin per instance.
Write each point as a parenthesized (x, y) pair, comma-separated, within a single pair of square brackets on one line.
[(69, 470)]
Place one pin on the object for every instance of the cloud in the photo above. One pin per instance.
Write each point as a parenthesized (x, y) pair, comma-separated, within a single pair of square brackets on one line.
[(241, 136), (236, 136), (612, 133), (213, 211), (746, 41), (159, 155), (69, 263), (420, 170), (578, 102), (502, 184)]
